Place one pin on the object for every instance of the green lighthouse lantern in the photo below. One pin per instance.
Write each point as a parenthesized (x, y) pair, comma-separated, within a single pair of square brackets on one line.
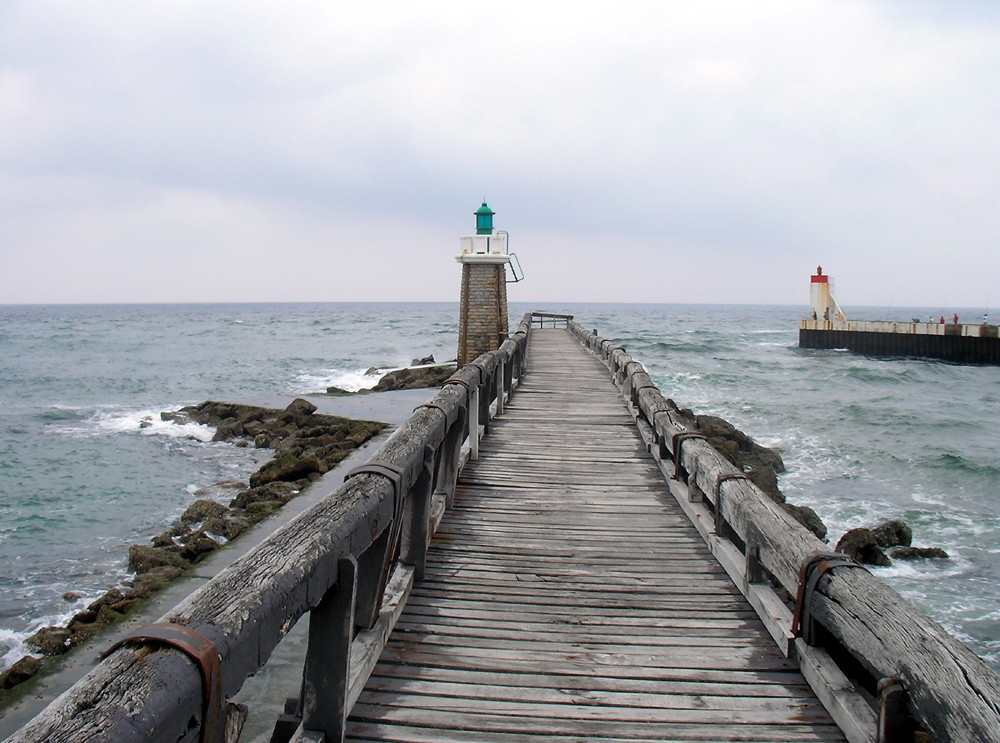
[(484, 220)]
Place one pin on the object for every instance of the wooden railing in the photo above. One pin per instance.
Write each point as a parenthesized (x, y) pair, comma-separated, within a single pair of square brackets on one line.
[(348, 562), (876, 662), (554, 319)]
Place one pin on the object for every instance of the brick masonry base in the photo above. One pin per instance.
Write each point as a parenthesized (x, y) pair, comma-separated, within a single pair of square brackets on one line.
[(482, 321)]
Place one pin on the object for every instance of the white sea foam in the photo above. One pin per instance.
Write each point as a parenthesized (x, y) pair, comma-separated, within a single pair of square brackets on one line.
[(13, 645), (350, 380), (353, 380), (119, 420)]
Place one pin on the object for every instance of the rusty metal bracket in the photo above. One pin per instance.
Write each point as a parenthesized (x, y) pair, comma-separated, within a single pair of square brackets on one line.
[(719, 520), (202, 651), (679, 438), (389, 471), (457, 380), (812, 570)]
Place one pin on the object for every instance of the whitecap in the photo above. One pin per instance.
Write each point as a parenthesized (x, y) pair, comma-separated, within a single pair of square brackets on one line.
[(123, 420), (149, 423), (353, 380)]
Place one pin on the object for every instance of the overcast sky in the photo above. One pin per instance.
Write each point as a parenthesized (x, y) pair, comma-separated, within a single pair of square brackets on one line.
[(216, 150)]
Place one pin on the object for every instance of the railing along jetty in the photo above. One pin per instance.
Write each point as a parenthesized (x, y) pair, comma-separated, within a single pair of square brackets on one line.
[(350, 560), (875, 661), (553, 319)]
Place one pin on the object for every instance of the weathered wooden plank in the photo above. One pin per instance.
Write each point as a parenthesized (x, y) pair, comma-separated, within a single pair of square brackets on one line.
[(490, 724), (732, 691)]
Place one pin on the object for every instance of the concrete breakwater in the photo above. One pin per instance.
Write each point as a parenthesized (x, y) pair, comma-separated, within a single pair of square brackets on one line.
[(956, 342)]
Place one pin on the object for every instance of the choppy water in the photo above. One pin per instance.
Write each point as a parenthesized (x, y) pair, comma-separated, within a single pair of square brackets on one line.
[(86, 468)]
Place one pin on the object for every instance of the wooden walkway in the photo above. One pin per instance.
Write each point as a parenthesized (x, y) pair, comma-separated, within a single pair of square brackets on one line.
[(568, 598)]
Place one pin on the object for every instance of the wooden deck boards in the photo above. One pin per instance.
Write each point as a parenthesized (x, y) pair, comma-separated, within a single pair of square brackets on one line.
[(568, 598)]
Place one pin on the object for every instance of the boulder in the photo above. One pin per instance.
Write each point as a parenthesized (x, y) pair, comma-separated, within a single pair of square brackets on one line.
[(285, 467), (113, 596), (860, 545), (197, 546), (742, 450), (202, 509), (228, 528), (766, 479), (918, 553), (227, 430), (50, 640), (894, 533), (142, 559), (279, 491), (424, 361), (414, 379), (150, 582), (299, 407), (21, 671), (807, 517), (180, 417)]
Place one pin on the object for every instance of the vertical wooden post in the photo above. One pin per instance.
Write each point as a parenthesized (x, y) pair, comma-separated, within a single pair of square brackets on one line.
[(474, 424), (416, 514), (500, 384), (326, 672), (447, 468)]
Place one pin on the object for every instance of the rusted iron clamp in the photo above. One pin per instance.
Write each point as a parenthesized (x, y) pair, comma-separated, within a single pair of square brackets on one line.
[(389, 471), (457, 380), (719, 520), (812, 570), (679, 438), (202, 651)]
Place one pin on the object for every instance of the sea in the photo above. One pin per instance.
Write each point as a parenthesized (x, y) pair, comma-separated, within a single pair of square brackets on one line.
[(87, 466)]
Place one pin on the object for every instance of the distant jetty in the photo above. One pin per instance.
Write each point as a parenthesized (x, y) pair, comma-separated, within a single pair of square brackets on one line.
[(828, 327)]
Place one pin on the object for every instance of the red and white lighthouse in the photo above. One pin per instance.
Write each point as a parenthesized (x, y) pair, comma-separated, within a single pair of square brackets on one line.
[(821, 301)]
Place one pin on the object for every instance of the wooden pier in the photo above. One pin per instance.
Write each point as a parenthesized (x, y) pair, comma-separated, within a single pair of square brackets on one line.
[(544, 551), (566, 595)]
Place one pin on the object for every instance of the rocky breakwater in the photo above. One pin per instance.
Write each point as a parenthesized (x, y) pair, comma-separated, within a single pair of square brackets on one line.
[(891, 539), (760, 463), (305, 444), (421, 374)]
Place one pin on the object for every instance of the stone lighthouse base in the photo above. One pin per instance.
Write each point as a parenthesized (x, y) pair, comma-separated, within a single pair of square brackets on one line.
[(483, 307)]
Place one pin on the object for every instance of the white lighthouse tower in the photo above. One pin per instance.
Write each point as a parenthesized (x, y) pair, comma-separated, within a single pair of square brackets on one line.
[(821, 301), (482, 322)]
